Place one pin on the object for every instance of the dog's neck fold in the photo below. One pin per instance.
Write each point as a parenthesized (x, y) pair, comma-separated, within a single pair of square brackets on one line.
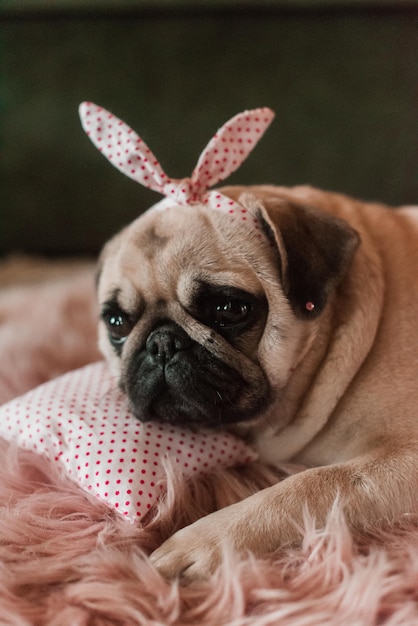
[(225, 152)]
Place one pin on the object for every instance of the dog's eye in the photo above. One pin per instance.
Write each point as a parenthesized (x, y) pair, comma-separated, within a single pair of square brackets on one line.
[(118, 326), (231, 312), (227, 309)]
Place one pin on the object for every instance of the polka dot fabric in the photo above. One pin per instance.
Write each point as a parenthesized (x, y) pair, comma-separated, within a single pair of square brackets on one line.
[(230, 146), (82, 421)]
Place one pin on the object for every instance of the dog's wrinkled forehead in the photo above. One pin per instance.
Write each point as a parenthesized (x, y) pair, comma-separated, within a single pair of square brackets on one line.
[(164, 249), (181, 237)]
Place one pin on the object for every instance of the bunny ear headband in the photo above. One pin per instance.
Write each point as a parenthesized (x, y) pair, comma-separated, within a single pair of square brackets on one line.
[(223, 155)]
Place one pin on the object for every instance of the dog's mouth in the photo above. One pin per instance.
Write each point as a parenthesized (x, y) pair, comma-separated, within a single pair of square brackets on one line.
[(175, 380)]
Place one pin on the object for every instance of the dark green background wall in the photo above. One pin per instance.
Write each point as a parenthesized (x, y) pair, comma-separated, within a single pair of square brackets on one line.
[(342, 78)]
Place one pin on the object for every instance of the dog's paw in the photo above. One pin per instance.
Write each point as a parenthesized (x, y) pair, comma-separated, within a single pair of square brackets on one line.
[(192, 553)]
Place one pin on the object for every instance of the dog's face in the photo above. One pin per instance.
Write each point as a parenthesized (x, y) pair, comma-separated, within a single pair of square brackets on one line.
[(198, 320)]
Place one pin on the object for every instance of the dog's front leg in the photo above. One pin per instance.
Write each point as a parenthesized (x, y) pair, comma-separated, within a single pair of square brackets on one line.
[(373, 489)]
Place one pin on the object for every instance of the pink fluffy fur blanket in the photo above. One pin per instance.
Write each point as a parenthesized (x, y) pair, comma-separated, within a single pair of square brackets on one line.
[(67, 560)]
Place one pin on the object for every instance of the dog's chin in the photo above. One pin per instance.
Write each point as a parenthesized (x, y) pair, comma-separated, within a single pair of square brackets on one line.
[(167, 409), (189, 394)]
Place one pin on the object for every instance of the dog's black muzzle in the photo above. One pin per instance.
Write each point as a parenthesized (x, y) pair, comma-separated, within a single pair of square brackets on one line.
[(174, 379)]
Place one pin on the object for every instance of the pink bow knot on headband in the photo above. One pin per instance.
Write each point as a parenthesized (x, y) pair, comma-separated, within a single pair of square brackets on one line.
[(223, 155)]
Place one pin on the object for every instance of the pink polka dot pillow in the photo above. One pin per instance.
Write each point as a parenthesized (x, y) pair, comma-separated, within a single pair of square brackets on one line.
[(82, 422)]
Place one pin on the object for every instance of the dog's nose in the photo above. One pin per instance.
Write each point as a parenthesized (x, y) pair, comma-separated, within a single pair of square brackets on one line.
[(166, 341)]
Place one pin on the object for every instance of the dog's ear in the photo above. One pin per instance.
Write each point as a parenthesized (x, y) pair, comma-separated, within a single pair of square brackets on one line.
[(316, 250)]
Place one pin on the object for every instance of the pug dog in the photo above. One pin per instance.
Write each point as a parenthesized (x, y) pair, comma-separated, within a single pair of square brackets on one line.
[(298, 333)]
